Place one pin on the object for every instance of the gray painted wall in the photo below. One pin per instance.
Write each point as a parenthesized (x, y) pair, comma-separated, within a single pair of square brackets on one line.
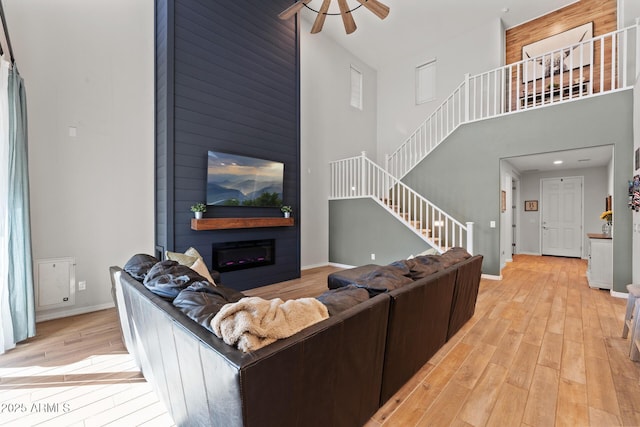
[(361, 227), (472, 192)]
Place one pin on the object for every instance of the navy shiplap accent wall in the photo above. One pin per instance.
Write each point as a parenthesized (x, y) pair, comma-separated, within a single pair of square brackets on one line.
[(227, 79), (163, 123)]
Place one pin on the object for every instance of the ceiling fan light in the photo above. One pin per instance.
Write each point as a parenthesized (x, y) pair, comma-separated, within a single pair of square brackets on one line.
[(377, 8)]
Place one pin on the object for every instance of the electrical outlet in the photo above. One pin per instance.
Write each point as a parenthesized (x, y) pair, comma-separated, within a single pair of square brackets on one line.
[(82, 285), (373, 257)]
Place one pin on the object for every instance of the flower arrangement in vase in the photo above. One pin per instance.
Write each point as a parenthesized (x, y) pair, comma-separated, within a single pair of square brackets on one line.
[(608, 217)]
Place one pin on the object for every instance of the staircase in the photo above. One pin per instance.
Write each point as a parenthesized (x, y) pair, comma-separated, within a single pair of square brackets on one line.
[(588, 70), (360, 177)]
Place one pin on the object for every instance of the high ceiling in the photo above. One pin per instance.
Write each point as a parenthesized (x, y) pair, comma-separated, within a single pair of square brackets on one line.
[(414, 24)]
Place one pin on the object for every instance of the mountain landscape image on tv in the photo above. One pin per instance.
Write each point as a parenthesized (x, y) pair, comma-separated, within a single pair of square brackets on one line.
[(234, 180)]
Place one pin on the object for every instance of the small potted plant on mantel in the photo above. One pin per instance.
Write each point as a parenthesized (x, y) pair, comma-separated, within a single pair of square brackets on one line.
[(198, 209), (286, 210)]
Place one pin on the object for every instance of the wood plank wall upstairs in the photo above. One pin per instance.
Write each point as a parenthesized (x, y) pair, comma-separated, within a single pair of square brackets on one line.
[(227, 79), (603, 14)]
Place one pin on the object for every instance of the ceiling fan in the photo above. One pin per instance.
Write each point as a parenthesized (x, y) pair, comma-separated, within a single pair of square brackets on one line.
[(378, 9)]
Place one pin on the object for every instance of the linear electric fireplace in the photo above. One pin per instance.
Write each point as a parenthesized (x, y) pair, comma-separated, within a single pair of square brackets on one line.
[(230, 256)]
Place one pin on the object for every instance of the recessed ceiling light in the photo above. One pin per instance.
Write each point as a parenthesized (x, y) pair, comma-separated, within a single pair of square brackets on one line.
[(557, 162)]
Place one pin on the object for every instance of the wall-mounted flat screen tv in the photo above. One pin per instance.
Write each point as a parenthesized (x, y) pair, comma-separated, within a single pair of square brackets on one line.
[(234, 180)]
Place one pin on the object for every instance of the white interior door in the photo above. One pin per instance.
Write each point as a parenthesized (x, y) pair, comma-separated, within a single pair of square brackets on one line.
[(562, 216)]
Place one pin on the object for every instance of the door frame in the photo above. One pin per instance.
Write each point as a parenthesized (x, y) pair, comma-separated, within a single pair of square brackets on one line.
[(581, 177), (516, 214)]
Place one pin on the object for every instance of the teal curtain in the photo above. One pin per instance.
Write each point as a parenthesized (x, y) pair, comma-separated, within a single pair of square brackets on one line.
[(20, 265)]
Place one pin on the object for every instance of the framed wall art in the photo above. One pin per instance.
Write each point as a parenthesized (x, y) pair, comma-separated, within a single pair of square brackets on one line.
[(530, 205), (559, 59)]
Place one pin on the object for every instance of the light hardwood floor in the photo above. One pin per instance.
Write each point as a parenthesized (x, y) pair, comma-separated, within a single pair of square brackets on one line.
[(543, 349)]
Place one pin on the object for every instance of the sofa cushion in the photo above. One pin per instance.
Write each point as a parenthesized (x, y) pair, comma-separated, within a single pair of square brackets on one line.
[(454, 256), (402, 267), (387, 277), (340, 299), (139, 265), (375, 278), (202, 301), (167, 278), (349, 276), (424, 265)]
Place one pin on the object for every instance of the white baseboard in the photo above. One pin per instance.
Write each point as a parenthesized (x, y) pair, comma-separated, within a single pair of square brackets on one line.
[(617, 294), (309, 267), (41, 317), (491, 277), (333, 264)]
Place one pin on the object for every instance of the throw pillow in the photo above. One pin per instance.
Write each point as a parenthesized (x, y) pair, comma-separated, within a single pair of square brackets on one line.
[(201, 268), (180, 258), (192, 252)]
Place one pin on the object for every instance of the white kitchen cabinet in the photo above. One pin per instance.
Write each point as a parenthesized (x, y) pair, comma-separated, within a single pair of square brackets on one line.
[(600, 261)]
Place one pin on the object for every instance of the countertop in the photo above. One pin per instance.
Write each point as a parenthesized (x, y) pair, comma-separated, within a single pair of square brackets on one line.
[(597, 236)]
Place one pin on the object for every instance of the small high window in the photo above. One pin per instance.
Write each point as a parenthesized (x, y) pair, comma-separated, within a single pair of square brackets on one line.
[(356, 88)]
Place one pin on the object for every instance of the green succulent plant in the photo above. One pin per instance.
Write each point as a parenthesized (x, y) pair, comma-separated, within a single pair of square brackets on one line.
[(199, 207)]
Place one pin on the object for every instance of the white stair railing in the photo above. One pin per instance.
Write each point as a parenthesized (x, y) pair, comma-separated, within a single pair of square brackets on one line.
[(600, 65), (359, 177)]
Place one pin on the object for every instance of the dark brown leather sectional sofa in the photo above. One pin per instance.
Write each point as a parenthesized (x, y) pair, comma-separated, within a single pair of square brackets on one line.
[(423, 314), (337, 372)]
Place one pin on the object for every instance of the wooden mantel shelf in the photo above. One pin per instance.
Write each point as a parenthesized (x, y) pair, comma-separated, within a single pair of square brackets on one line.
[(229, 223)]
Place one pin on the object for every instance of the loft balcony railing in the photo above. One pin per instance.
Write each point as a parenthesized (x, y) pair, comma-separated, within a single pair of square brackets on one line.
[(360, 177), (604, 64)]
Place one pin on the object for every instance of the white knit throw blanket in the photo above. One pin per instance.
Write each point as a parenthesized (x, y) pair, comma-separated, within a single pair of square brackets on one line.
[(253, 322)]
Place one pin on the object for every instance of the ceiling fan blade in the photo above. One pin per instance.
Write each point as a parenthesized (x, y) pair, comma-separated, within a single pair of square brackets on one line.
[(379, 9), (293, 9), (322, 14), (347, 17)]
